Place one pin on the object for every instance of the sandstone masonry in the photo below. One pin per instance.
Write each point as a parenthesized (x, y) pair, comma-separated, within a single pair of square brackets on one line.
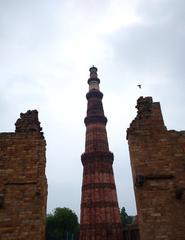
[(23, 184), (158, 168), (100, 217)]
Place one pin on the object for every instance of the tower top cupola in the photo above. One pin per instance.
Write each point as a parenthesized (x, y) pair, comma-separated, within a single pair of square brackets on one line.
[(93, 81)]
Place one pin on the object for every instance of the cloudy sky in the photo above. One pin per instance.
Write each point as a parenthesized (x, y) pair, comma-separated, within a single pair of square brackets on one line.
[(46, 49)]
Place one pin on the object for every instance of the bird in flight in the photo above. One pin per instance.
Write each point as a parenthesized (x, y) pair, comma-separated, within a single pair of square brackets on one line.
[(139, 85)]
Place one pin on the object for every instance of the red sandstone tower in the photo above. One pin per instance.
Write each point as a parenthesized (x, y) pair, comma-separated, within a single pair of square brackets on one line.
[(100, 217)]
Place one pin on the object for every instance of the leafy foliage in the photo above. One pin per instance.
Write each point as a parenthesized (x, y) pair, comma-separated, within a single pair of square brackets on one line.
[(125, 218), (62, 224)]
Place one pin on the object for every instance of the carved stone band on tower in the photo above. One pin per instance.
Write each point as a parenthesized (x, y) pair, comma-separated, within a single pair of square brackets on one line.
[(100, 216)]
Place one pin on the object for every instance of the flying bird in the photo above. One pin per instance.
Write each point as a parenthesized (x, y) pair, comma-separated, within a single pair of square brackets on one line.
[(139, 85)]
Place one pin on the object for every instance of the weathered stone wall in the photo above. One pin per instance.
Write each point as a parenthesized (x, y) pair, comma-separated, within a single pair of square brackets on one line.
[(158, 167), (23, 185)]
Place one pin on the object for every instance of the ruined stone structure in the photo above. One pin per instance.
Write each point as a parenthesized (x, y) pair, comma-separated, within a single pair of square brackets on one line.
[(158, 167), (100, 216), (23, 185)]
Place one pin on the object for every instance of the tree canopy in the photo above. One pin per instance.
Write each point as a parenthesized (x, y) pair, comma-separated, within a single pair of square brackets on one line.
[(62, 224), (125, 218)]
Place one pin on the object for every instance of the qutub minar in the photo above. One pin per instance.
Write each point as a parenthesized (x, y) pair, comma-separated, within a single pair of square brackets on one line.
[(100, 215)]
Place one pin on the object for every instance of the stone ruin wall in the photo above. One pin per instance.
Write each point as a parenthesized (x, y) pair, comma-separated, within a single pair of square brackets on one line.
[(158, 168), (23, 184)]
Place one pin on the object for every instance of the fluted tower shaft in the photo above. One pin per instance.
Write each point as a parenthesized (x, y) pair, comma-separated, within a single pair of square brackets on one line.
[(100, 217)]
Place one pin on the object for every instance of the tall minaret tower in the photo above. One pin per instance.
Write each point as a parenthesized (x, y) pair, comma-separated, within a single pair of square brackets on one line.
[(100, 216)]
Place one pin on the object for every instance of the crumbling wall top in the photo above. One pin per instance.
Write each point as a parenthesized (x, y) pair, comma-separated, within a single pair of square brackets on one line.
[(149, 118), (144, 106), (28, 122)]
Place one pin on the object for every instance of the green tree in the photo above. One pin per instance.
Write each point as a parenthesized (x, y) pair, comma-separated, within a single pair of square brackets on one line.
[(62, 224), (125, 219)]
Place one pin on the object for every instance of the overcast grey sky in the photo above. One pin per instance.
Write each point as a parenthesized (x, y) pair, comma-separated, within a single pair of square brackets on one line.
[(46, 49)]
